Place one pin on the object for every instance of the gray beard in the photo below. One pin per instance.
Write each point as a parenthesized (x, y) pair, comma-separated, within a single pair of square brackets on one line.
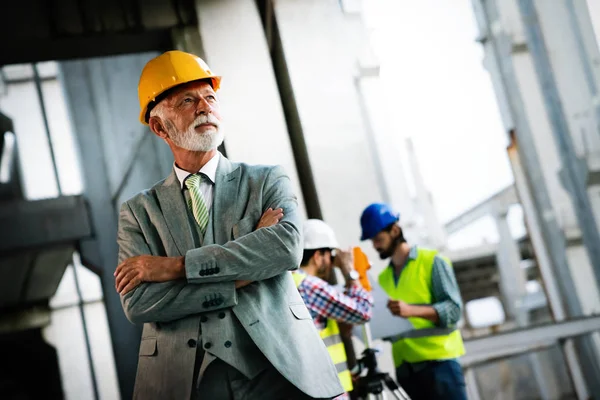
[(194, 141)]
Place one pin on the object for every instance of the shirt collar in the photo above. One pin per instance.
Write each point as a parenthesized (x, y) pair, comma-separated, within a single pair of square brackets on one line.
[(413, 253), (209, 169)]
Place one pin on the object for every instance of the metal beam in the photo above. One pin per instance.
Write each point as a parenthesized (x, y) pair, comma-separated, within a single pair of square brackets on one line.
[(18, 320), (574, 170), (488, 348), (543, 212), (504, 198), (43, 222)]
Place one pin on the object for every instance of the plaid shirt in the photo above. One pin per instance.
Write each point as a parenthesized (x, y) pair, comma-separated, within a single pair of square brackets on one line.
[(325, 302)]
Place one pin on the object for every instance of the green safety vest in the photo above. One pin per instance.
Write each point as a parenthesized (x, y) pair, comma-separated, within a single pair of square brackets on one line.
[(427, 341), (331, 337)]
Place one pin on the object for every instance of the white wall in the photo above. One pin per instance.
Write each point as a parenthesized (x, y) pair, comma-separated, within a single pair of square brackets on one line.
[(322, 62), (235, 47)]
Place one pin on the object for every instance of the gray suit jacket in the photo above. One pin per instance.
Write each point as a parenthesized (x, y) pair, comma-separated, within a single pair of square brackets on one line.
[(270, 310)]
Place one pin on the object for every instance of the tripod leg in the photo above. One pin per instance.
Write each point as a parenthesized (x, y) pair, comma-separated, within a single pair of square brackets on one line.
[(396, 389)]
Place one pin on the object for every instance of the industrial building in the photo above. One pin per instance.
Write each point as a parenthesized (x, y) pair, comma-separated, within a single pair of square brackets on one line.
[(305, 73)]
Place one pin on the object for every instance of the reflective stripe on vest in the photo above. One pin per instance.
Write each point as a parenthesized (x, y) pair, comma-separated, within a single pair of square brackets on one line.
[(331, 337), (426, 341)]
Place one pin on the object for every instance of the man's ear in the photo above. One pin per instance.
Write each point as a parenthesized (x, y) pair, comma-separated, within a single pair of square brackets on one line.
[(316, 257), (395, 231), (158, 127)]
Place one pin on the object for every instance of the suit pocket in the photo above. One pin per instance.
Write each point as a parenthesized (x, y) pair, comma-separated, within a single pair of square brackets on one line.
[(148, 347), (244, 226), (300, 311)]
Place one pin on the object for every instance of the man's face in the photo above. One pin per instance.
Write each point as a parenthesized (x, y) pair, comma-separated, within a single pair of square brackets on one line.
[(324, 263), (191, 118), (384, 244)]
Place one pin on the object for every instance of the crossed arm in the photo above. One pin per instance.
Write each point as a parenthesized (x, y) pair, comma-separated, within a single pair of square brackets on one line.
[(163, 289)]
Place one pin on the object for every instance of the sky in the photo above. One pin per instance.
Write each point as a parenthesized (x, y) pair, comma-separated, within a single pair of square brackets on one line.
[(437, 92)]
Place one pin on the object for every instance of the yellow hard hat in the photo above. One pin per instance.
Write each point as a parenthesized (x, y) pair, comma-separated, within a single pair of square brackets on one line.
[(167, 71)]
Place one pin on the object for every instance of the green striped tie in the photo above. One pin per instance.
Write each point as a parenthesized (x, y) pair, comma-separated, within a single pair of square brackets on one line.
[(197, 203)]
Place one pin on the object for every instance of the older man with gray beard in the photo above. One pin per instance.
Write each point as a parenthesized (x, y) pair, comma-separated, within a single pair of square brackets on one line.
[(205, 257)]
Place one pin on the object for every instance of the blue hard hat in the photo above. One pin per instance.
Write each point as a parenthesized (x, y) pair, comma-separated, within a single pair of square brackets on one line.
[(376, 218)]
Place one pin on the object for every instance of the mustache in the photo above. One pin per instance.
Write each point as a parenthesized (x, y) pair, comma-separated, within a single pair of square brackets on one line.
[(206, 119)]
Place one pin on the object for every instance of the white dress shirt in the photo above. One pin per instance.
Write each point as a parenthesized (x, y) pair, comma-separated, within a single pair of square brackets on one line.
[(210, 170)]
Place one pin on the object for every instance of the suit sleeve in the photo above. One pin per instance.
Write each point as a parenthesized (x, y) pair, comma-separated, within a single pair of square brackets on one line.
[(165, 301), (259, 255)]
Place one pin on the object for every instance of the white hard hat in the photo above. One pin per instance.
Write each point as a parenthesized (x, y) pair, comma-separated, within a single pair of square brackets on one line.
[(318, 235)]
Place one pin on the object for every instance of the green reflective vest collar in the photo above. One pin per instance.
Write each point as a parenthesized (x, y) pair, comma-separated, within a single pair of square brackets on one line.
[(298, 278), (335, 347), (426, 341)]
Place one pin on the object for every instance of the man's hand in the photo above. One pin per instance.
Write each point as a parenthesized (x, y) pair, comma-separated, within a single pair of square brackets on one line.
[(344, 260), (399, 308), (135, 270), (240, 284), (270, 218)]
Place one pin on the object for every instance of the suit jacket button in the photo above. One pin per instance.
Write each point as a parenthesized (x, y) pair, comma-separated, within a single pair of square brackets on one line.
[(203, 318), (207, 345), (221, 315), (228, 344), (191, 343)]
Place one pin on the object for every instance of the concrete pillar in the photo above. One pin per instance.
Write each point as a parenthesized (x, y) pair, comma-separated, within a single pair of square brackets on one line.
[(322, 65), (512, 283), (235, 46), (512, 278)]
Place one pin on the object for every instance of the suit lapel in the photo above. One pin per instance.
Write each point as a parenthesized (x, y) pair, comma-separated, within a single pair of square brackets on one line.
[(175, 213), (224, 203)]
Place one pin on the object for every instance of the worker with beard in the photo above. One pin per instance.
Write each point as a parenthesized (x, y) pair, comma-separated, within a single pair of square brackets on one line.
[(332, 309), (422, 288)]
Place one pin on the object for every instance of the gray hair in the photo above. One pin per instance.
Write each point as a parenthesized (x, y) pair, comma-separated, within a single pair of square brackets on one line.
[(158, 111)]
